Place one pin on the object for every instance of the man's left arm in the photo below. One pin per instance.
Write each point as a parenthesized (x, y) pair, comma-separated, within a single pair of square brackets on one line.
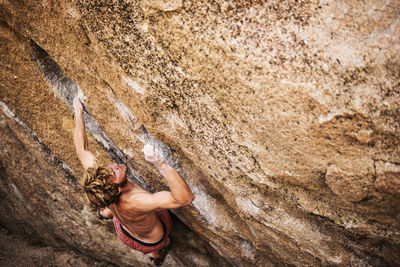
[(80, 140)]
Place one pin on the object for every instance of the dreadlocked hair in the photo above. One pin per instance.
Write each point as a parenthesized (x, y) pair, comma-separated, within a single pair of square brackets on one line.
[(98, 186)]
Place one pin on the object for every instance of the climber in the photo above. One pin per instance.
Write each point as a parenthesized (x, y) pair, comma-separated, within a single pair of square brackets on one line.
[(141, 219)]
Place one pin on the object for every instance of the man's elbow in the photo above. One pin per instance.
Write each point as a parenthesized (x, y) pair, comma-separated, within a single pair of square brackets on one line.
[(190, 199), (185, 201)]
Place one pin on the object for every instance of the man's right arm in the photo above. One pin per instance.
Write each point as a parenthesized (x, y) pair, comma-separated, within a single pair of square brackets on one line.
[(80, 141)]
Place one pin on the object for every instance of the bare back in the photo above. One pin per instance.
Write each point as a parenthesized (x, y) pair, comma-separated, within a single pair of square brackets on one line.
[(145, 226)]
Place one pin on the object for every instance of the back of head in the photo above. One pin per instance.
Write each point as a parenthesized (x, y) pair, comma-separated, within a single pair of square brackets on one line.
[(98, 186)]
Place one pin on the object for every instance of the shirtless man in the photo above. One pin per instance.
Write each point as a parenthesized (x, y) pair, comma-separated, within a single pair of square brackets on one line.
[(140, 218)]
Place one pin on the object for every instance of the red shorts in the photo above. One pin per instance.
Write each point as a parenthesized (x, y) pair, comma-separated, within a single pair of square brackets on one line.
[(164, 217)]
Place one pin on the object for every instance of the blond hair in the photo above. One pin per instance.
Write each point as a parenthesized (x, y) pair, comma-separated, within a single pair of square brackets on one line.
[(98, 186)]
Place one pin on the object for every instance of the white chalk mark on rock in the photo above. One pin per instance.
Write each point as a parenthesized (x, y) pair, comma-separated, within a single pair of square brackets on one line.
[(134, 85), (247, 206), (21, 197)]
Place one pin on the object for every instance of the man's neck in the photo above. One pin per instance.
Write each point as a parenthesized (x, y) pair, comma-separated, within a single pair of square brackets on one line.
[(128, 187)]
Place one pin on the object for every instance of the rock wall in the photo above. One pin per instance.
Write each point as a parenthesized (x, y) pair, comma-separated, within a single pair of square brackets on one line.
[(283, 117)]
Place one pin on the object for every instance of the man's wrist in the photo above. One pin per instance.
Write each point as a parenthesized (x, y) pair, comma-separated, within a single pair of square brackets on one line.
[(162, 165)]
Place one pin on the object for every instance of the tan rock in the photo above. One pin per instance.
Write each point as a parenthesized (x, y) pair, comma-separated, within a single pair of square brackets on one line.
[(151, 7), (364, 136), (350, 186), (387, 177)]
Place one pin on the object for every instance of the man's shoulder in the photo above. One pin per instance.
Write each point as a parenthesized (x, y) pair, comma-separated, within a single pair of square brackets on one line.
[(133, 200)]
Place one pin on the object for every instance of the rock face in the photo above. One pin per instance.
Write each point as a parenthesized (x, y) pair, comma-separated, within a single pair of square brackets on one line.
[(283, 117)]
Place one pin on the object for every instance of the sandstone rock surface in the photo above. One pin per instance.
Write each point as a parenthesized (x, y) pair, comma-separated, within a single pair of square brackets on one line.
[(283, 117)]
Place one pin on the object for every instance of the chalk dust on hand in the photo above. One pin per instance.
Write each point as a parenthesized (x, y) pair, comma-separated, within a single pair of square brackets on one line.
[(152, 154)]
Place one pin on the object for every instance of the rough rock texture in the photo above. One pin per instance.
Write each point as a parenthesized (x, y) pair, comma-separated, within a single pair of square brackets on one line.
[(15, 251), (283, 117)]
